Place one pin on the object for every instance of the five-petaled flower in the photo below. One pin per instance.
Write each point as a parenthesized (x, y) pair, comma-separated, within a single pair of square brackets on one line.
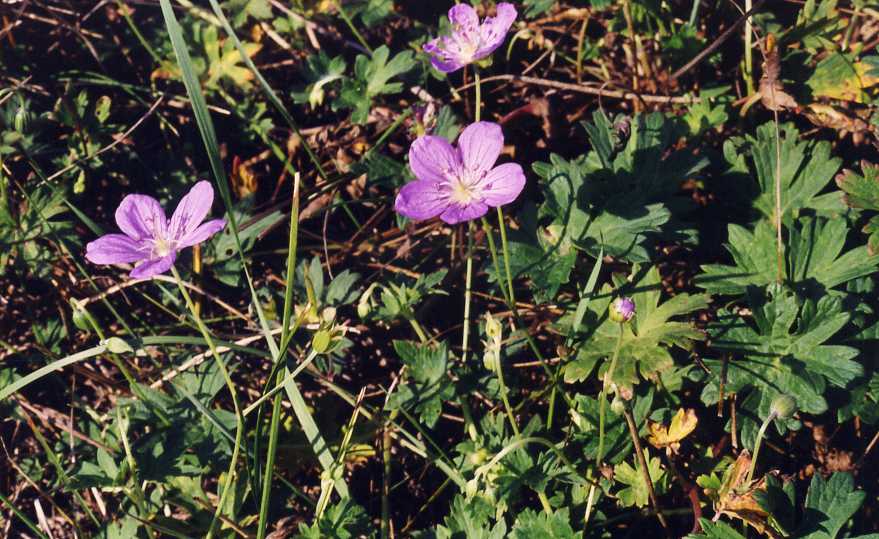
[(459, 184), (470, 41), (152, 239)]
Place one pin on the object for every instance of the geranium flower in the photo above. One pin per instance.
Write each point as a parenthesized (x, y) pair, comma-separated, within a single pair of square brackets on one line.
[(470, 41), (459, 184), (152, 240)]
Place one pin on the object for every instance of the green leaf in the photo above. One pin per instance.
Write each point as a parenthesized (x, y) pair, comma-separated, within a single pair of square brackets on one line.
[(862, 191), (320, 71), (715, 530), (806, 169), (471, 519), (813, 255), (632, 180), (427, 384), (780, 351), (341, 520), (531, 524), (635, 493), (372, 76), (645, 341), (829, 505)]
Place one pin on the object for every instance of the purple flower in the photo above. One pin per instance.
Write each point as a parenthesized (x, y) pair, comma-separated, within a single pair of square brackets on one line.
[(459, 184), (470, 41), (622, 310), (150, 238)]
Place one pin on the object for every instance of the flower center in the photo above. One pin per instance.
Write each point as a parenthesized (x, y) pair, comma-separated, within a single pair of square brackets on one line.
[(162, 247), (465, 187)]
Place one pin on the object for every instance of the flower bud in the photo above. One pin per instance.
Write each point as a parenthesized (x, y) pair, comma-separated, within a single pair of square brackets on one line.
[(783, 406), (617, 405), (492, 327), (622, 310)]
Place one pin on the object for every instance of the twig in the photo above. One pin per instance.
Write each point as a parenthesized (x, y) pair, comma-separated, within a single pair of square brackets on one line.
[(583, 89), (717, 42), (642, 463)]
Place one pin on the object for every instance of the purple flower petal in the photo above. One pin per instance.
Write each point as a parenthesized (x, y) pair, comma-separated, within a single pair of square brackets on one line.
[(433, 158), (458, 214), (502, 184), (154, 266), (439, 56), (421, 199), (494, 29), (464, 19), (141, 217), (201, 233), (480, 145), (116, 249), (191, 211)]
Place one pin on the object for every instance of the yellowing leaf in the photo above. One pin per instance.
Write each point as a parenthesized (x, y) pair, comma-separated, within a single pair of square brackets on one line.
[(842, 77), (244, 181), (683, 423)]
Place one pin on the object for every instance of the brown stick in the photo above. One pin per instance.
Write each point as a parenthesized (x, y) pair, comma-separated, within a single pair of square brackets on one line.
[(583, 89), (642, 464)]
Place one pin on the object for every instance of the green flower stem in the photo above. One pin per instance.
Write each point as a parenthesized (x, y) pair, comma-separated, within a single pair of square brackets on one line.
[(465, 340), (498, 369), (505, 249), (230, 477), (760, 434), (511, 304), (602, 398), (602, 410), (477, 114)]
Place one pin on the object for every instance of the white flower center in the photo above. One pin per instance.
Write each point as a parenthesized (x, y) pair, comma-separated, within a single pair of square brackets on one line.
[(162, 247), (465, 186)]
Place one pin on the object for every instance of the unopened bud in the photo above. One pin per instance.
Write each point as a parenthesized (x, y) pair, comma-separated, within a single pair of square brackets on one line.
[(617, 405), (622, 310), (783, 406), (493, 328)]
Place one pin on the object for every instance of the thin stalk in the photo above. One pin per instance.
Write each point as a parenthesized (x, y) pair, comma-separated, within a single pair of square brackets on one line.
[(779, 242), (505, 250), (285, 338), (478, 112), (503, 387), (602, 398), (645, 472), (602, 405), (227, 487), (749, 53), (386, 483), (694, 14), (760, 434), (465, 340), (351, 27)]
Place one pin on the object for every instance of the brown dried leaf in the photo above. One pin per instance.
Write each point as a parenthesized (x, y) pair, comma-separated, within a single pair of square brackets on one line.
[(771, 90)]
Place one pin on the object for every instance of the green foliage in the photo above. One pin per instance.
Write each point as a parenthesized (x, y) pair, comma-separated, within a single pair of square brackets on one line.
[(426, 386), (372, 76), (537, 525), (779, 349), (645, 341), (617, 197), (320, 71), (813, 259), (634, 492), (862, 192), (342, 520)]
